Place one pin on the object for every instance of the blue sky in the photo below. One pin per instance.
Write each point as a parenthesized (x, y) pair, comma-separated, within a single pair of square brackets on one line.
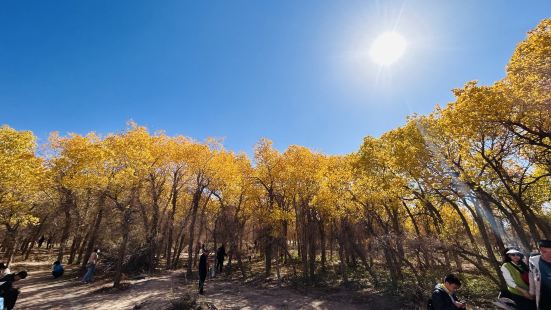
[(292, 71)]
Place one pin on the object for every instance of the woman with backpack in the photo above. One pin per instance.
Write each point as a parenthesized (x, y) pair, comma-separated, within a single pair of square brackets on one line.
[(515, 272)]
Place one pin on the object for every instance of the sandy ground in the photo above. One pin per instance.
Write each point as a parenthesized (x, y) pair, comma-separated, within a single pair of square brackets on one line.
[(41, 291)]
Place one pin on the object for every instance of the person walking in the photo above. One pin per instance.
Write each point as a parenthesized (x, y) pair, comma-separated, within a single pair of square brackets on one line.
[(91, 267), (220, 254), (40, 241), (250, 252), (203, 269)]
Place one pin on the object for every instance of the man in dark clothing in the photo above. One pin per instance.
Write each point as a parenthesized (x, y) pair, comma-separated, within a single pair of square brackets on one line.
[(203, 269), (7, 291), (540, 275), (443, 296), (220, 254), (40, 241)]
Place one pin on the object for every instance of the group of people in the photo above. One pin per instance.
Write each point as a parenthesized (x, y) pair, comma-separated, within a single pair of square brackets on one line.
[(9, 292), (204, 265), (58, 270), (528, 283), (48, 242)]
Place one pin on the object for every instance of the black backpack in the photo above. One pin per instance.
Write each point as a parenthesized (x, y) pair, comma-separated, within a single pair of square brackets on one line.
[(429, 304)]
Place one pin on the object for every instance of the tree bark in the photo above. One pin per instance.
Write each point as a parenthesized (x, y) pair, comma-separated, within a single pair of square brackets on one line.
[(67, 202), (95, 232), (126, 219)]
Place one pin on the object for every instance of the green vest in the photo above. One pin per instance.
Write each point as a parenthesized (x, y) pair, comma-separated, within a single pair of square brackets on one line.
[(517, 277)]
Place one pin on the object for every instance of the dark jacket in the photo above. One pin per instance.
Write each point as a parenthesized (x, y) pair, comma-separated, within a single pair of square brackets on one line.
[(8, 281), (221, 253), (442, 301), (58, 268), (8, 292), (203, 266)]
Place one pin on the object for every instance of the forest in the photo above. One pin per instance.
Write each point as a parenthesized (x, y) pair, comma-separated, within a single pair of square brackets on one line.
[(445, 192)]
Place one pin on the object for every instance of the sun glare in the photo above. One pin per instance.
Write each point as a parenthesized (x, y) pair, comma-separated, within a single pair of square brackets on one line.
[(387, 48)]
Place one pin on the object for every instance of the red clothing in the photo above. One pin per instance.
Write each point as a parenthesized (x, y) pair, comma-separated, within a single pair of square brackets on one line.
[(526, 277)]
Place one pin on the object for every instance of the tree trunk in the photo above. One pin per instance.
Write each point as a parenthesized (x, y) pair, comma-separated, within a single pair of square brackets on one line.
[(122, 250), (322, 244), (94, 234), (156, 189), (170, 233), (35, 236), (284, 241), (199, 235), (311, 246), (194, 208), (74, 246), (342, 264), (332, 241), (268, 252), (179, 249), (67, 202), (83, 246), (478, 216), (181, 241), (10, 243)]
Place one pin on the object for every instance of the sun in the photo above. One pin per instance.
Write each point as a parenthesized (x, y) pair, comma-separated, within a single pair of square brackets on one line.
[(387, 48)]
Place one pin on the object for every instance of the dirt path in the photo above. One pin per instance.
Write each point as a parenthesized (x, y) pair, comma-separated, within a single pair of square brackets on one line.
[(40, 291), (234, 295)]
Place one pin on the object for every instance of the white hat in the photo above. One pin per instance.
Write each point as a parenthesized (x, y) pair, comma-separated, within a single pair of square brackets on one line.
[(513, 251)]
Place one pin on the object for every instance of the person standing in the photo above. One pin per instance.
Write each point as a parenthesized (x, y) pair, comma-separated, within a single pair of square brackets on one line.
[(40, 241), (516, 273), (91, 267), (250, 252), (220, 254), (49, 243), (540, 275), (203, 269)]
